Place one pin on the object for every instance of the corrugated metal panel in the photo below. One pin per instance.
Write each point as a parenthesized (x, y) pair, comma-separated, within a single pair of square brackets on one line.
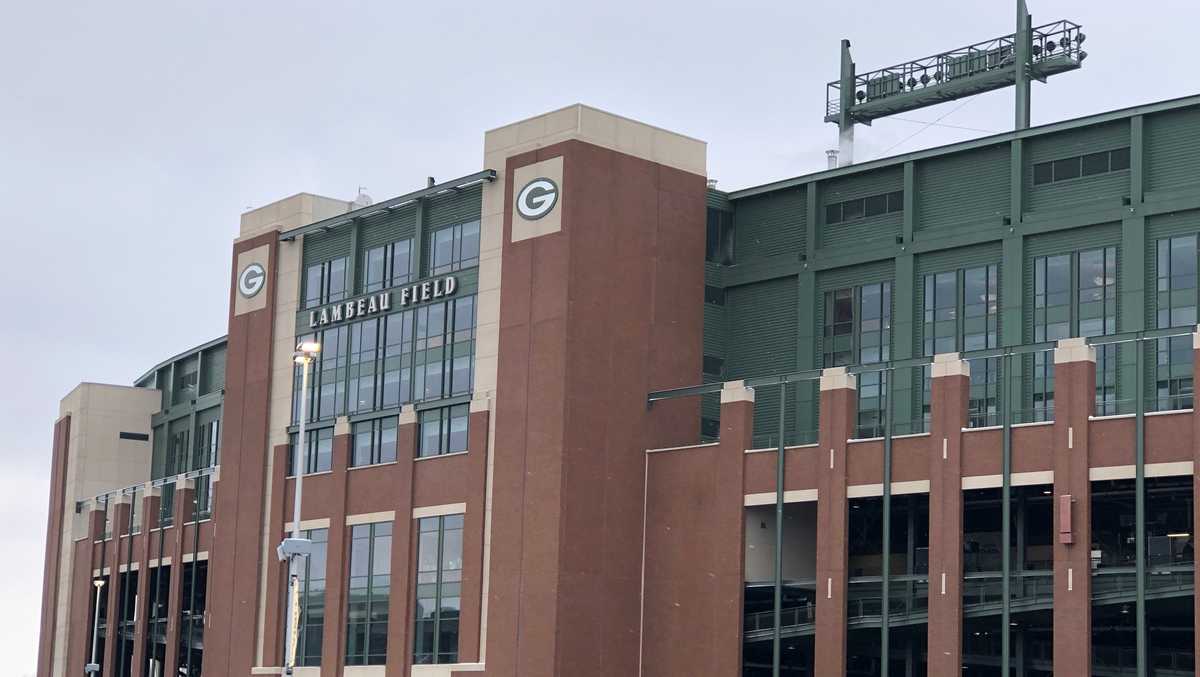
[(761, 321), (714, 330), (718, 200), (1172, 150), (387, 228), (770, 225), (322, 247), (1106, 188), (963, 188), (460, 207), (884, 227)]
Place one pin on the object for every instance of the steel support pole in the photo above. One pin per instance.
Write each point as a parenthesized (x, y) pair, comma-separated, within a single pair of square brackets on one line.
[(1005, 514), (776, 640), (1140, 505), (885, 559), (1022, 53)]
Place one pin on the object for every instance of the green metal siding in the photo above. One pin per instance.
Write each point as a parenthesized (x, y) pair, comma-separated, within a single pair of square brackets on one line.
[(326, 246), (717, 199), (460, 207), (386, 228), (961, 189), (1173, 150), (1105, 190), (878, 228), (762, 323), (770, 225)]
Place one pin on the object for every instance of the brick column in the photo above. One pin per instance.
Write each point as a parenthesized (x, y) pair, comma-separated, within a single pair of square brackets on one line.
[(185, 494), (112, 644), (1074, 402), (333, 634), (83, 593), (951, 386), (152, 497), (470, 621), (839, 406), (399, 655), (277, 515)]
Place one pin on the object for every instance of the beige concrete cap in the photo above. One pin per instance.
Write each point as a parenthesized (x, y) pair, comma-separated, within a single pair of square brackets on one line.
[(408, 415), (290, 212), (600, 128), (949, 364), (1074, 350), (835, 378), (341, 425), (1196, 339), (736, 391)]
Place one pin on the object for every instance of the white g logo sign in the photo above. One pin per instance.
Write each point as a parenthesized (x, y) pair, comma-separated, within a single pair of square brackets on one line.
[(252, 279), (537, 198)]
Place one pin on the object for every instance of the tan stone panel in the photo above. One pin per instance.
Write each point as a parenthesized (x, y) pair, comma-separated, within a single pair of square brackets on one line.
[(524, 228), (258, 256)]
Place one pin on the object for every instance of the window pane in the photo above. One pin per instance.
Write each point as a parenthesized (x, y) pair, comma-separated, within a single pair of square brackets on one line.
[(876, 205), (1043, 172), (1118, 159), (1066, 169), (1095, 163), (852, 209)]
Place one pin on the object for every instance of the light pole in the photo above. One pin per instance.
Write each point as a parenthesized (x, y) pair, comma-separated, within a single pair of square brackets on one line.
[(293, 548), (93, 667)]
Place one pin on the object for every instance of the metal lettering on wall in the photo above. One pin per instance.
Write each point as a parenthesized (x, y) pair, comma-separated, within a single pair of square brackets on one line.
[(382, 302)]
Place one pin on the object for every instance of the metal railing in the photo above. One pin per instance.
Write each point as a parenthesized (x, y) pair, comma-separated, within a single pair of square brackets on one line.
[(1057, 40)]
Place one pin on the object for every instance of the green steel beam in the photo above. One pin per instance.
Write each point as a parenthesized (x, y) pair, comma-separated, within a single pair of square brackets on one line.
[(1005, 512), (1023, 51), (885, 583)]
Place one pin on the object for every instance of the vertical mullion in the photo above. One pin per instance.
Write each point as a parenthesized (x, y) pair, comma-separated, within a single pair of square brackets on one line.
[(1140, 519), (1005, 529), (437, 592), (885, 583)]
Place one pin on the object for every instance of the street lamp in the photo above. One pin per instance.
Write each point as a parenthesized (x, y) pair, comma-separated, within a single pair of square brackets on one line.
[(294, 548), (93, 667)]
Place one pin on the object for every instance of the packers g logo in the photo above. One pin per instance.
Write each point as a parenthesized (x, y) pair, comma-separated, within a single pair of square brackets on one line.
[(537, 198), (252, 279)]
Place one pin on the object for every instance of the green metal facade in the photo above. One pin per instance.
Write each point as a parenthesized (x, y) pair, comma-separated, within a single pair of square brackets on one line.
[(969, 204)]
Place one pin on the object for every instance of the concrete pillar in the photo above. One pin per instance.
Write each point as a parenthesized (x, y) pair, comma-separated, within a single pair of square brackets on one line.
[(951, 379), (839, 406), (1074, 402)]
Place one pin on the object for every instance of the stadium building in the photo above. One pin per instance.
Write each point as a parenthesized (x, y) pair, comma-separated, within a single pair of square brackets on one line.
[(580, 414)]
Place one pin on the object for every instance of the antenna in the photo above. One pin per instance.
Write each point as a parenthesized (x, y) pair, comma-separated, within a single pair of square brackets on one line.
[(1015, 59)]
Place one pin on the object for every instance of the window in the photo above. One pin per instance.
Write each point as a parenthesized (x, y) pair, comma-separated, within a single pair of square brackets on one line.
[(718, 247), (370, 584), (1075, 295), (961, 315), (1175, 303), (443, 430), (381, 363), (319, 455), (158, 591), (454, 248), (364, 343), (858, 323), (325, 283), (1081, 165), (312, 599), (714, 366), (439, 589), (865, 207), (714, 295), (374, 442), (442, 350), (187, 378), (387, 266)]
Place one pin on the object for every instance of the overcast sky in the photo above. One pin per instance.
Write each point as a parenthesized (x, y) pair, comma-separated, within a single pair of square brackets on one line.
[(133, 134)]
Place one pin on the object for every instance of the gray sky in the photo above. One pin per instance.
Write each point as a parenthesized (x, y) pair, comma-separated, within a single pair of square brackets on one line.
[(133, 134)]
